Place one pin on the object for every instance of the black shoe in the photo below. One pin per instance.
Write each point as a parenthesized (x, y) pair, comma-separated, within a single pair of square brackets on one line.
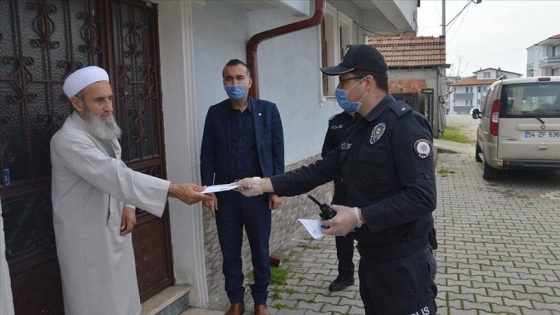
[(340, 283)]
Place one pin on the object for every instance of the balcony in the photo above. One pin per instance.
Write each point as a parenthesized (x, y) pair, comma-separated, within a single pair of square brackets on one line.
[(549, 61)]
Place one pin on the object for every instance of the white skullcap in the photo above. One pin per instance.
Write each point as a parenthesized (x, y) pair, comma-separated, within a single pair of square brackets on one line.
[(83, 77)]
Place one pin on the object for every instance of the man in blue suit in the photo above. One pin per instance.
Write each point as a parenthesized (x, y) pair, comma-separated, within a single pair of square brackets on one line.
[(242, 137)]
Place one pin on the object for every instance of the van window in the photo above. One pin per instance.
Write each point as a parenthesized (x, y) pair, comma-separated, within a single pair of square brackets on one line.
[(540, 99), (490, 96)]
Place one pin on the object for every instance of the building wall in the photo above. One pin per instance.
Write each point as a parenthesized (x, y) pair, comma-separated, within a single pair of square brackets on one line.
[(495, 73), (462, 105), (181, 144), (533, 57), (288, 69), (407, 85), (414, 80), (535, 54), (197, 38)]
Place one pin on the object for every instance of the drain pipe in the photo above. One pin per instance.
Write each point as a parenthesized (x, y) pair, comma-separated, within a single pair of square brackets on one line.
[(255, 40)]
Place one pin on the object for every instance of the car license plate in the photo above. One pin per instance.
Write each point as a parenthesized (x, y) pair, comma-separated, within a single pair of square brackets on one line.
[(542, 134)]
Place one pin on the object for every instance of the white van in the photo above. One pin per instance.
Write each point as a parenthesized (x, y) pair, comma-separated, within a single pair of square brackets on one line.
[(519, 125)]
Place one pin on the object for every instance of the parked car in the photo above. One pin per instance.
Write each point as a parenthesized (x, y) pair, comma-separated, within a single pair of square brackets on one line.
[(519, 125)]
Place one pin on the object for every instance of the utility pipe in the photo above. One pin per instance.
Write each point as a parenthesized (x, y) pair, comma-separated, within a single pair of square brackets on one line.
[(255, 40)]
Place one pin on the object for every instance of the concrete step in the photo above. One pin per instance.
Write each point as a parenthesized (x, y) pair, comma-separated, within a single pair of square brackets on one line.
[(172, 300), (201, 311)]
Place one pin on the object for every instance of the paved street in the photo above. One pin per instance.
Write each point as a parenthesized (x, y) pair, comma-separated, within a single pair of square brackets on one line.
[(499, 246), (500, 251)]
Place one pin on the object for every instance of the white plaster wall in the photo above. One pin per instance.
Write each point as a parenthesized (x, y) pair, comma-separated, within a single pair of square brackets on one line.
[(409, 12), (196, 40), (289, 76), (288, 68), (220, 31)]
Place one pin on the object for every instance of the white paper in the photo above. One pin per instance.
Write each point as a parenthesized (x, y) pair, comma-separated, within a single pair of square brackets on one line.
[(218, 188), (313, 226)]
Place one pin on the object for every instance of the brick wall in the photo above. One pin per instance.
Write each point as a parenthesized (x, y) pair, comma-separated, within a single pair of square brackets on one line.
[(407, 86)]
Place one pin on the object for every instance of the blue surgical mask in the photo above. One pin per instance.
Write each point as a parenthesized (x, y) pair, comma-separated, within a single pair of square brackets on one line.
[(236, 92), (342, 99)]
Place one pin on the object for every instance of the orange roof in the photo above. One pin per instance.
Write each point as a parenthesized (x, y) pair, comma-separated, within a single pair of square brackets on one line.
[(411, 51), (473, 81)]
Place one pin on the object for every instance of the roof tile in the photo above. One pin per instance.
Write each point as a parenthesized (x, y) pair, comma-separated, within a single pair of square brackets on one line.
[(473, 81), (410, 51)]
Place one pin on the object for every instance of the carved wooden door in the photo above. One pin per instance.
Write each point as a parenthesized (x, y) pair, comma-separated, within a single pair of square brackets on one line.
[(41, 42)]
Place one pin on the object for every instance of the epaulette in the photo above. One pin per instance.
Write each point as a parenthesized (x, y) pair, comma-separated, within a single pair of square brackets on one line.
[(400, 108), (338, 115)]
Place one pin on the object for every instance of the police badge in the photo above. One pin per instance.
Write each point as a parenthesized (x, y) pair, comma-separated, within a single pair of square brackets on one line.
[(423, 148), (377, 132)]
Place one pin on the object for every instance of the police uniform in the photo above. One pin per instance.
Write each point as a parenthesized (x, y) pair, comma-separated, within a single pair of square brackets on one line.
[(338, 125), (388, 170)]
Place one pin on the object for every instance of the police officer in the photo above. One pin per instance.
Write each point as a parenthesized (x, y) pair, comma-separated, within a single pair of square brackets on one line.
[(388, 171), (338, 125)]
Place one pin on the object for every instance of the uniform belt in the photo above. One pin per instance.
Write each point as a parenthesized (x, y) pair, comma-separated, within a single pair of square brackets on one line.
[(393, 251)]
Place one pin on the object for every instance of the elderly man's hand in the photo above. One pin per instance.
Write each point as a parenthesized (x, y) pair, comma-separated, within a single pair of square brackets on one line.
[(188, 193), (342, 223), (128, 220)]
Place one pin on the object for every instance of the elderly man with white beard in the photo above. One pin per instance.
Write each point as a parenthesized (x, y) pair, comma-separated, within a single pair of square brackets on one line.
[(94, 195)]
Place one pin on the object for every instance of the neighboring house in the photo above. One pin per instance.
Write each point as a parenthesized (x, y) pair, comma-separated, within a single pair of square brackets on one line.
[(468, 93), (543, 58), (165, 59), (416, 72)]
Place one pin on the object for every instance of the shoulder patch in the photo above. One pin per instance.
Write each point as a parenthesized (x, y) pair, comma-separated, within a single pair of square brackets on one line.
[(423, 148), (400, 108), (332, 117)]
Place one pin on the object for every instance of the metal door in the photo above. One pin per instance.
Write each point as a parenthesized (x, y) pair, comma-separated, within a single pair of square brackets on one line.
[(41, 42)]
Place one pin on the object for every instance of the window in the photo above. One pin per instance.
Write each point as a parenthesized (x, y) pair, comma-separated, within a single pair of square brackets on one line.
[(556, 51), (336, 33), (530, 100), (486, 75), (487, 102)]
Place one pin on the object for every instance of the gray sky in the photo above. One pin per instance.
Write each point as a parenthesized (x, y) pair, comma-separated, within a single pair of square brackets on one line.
[(491, 34)]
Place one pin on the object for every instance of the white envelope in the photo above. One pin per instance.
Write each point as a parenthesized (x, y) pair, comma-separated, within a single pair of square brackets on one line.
[(313, 227), (218, 188)]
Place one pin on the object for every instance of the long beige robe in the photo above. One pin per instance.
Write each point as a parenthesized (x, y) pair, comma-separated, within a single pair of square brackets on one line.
[(6, 302), (90, 183)]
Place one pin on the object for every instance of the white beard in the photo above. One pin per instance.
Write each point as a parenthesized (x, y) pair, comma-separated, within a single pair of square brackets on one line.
[(102, 129)]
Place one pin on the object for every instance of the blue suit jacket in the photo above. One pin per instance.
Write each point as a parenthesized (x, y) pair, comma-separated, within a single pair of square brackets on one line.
[(216, 141)]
